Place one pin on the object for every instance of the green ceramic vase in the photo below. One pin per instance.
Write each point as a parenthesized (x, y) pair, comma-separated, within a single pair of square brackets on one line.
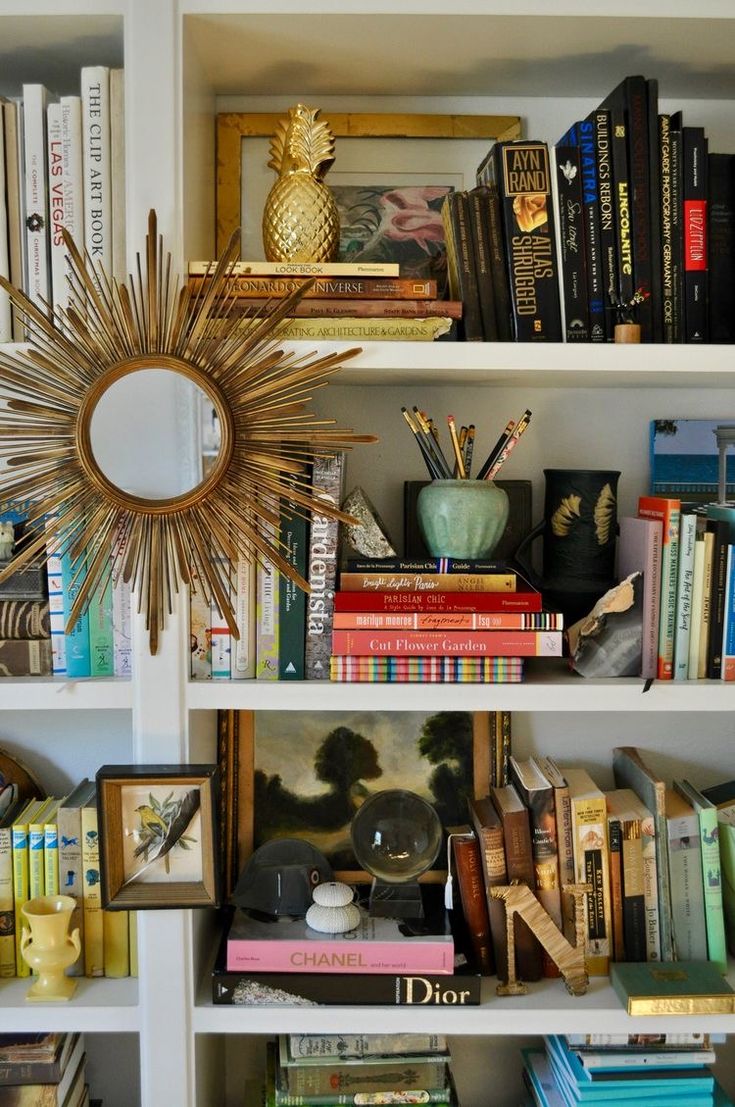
[(462, 518)]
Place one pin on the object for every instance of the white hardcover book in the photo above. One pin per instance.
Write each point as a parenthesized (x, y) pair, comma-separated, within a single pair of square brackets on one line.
[(221, 642), (200, 631), (35, 102), (685, 873), (695, 630), (242, 659), (122, 650), (267, 637), (12, 119), (65, 189), (685, 580), (6, 319), (727, 671), (650, 881), (59, 286), (117, 161), (20, 138), (96, 167)]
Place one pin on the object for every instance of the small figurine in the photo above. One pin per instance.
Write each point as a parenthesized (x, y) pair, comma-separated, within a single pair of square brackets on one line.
[(627, 327)]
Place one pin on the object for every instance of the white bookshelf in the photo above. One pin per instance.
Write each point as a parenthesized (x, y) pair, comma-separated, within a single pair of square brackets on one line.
[(549, 62)]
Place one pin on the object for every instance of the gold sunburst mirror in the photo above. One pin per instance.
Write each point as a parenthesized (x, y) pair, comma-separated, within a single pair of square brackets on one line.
[(60, 405)]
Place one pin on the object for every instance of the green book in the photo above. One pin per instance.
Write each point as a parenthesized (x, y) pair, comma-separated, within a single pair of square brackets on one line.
[(672, 988), (101, 649), (292, 599), (711, 871)]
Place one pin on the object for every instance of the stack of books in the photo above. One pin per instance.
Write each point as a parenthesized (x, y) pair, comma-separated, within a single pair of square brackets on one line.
[(25, 625), (437, 620), (344, 300), (381, 961), (367, 1068), (570, 1071), (43, 1069)]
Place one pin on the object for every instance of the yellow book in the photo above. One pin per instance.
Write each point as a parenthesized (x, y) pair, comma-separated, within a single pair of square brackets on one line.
[(36, 883), (51, 850), (94, 947), (133, 940), (7, 912), (19, 838), (592, 865), (116, 942)]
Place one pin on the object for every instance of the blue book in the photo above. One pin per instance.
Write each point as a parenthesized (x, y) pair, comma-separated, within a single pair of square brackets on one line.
[(592, 1086), (540, 1079), (582, 134), (685, 459), (78, 658)]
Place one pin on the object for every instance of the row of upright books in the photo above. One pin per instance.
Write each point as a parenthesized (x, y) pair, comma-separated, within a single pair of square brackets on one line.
[(659, 857), (438, 620), (47, 847), (61, 165), (628, 217), (35, 603), (687, 560)]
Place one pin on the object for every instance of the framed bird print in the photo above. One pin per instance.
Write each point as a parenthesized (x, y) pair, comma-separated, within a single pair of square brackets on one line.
[(157, 836)]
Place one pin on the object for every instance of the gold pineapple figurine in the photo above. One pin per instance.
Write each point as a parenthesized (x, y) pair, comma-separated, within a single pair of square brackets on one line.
[(300, 218)]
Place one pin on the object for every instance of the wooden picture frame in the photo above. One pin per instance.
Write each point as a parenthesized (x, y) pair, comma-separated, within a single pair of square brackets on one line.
[(238, 811), (143, 808), (234, 128)]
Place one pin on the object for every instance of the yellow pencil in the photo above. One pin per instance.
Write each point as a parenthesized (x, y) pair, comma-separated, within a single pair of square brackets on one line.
[(459, 467)]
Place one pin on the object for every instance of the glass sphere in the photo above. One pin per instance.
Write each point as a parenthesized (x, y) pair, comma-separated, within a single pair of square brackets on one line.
[(396, 835)]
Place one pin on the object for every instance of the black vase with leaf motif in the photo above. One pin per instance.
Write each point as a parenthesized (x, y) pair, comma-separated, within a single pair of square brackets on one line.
[(579, 529)]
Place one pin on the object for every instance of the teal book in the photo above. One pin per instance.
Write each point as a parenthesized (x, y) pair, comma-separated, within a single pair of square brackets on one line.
[(78, 660), (539, 1079), (101, 646), (291, 598), (709, 837), (672, 988), (670, 1086)]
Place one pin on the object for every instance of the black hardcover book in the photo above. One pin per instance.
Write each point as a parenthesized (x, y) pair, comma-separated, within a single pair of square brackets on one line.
[(666, 225), (479, 219), (498, 266), (521, 172), (631, 98), (695, 234), (582, 134), (654, 167), (461, 265), (572, 255), (518, 526), (621, 199), (676, 143), (721, 246), (720, 529), (422, 565), (602, 120)]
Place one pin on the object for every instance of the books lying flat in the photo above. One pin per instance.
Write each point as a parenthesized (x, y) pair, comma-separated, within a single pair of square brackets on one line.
[(427, 582), (299, 989), (437, 601), (448, 620), (375, 945), (325, 1076), (429, 670), (483, 643), (306, 1049), (672, 988)]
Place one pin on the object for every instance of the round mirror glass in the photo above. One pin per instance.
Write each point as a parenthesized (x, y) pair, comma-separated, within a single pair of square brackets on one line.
[(147, 434)]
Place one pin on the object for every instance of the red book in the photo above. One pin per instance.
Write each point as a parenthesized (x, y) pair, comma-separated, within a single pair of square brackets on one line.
[(437, 601), (483, 643), (667, 512), (447, 620), (469, 878)]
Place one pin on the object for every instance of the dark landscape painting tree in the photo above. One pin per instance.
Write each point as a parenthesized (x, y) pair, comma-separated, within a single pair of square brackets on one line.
[(446, 741)]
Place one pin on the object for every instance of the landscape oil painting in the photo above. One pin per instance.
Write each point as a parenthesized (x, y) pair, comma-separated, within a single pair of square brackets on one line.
[(313, 771)]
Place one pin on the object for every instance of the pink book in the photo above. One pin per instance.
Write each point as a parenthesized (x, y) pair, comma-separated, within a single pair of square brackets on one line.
[(483, 643), (437, 601), (375, 945), (639, 550), (447, 620)]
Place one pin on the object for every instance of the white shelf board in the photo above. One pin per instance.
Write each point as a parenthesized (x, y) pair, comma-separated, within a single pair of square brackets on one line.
[(39, 694), (546, 1007), (99, 1006), (543, 690), (544, 365)]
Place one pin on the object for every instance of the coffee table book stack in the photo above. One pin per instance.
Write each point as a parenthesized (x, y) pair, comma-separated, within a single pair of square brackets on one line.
[(375, 1069), (438, 620)]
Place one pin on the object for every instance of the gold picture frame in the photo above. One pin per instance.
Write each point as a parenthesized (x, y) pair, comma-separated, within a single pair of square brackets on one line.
[(232, 128), (238, 807), (157, 836)]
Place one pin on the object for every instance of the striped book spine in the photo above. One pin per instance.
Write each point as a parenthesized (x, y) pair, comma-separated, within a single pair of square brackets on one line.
[(447, 620), (56, 607), (429, 670)]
